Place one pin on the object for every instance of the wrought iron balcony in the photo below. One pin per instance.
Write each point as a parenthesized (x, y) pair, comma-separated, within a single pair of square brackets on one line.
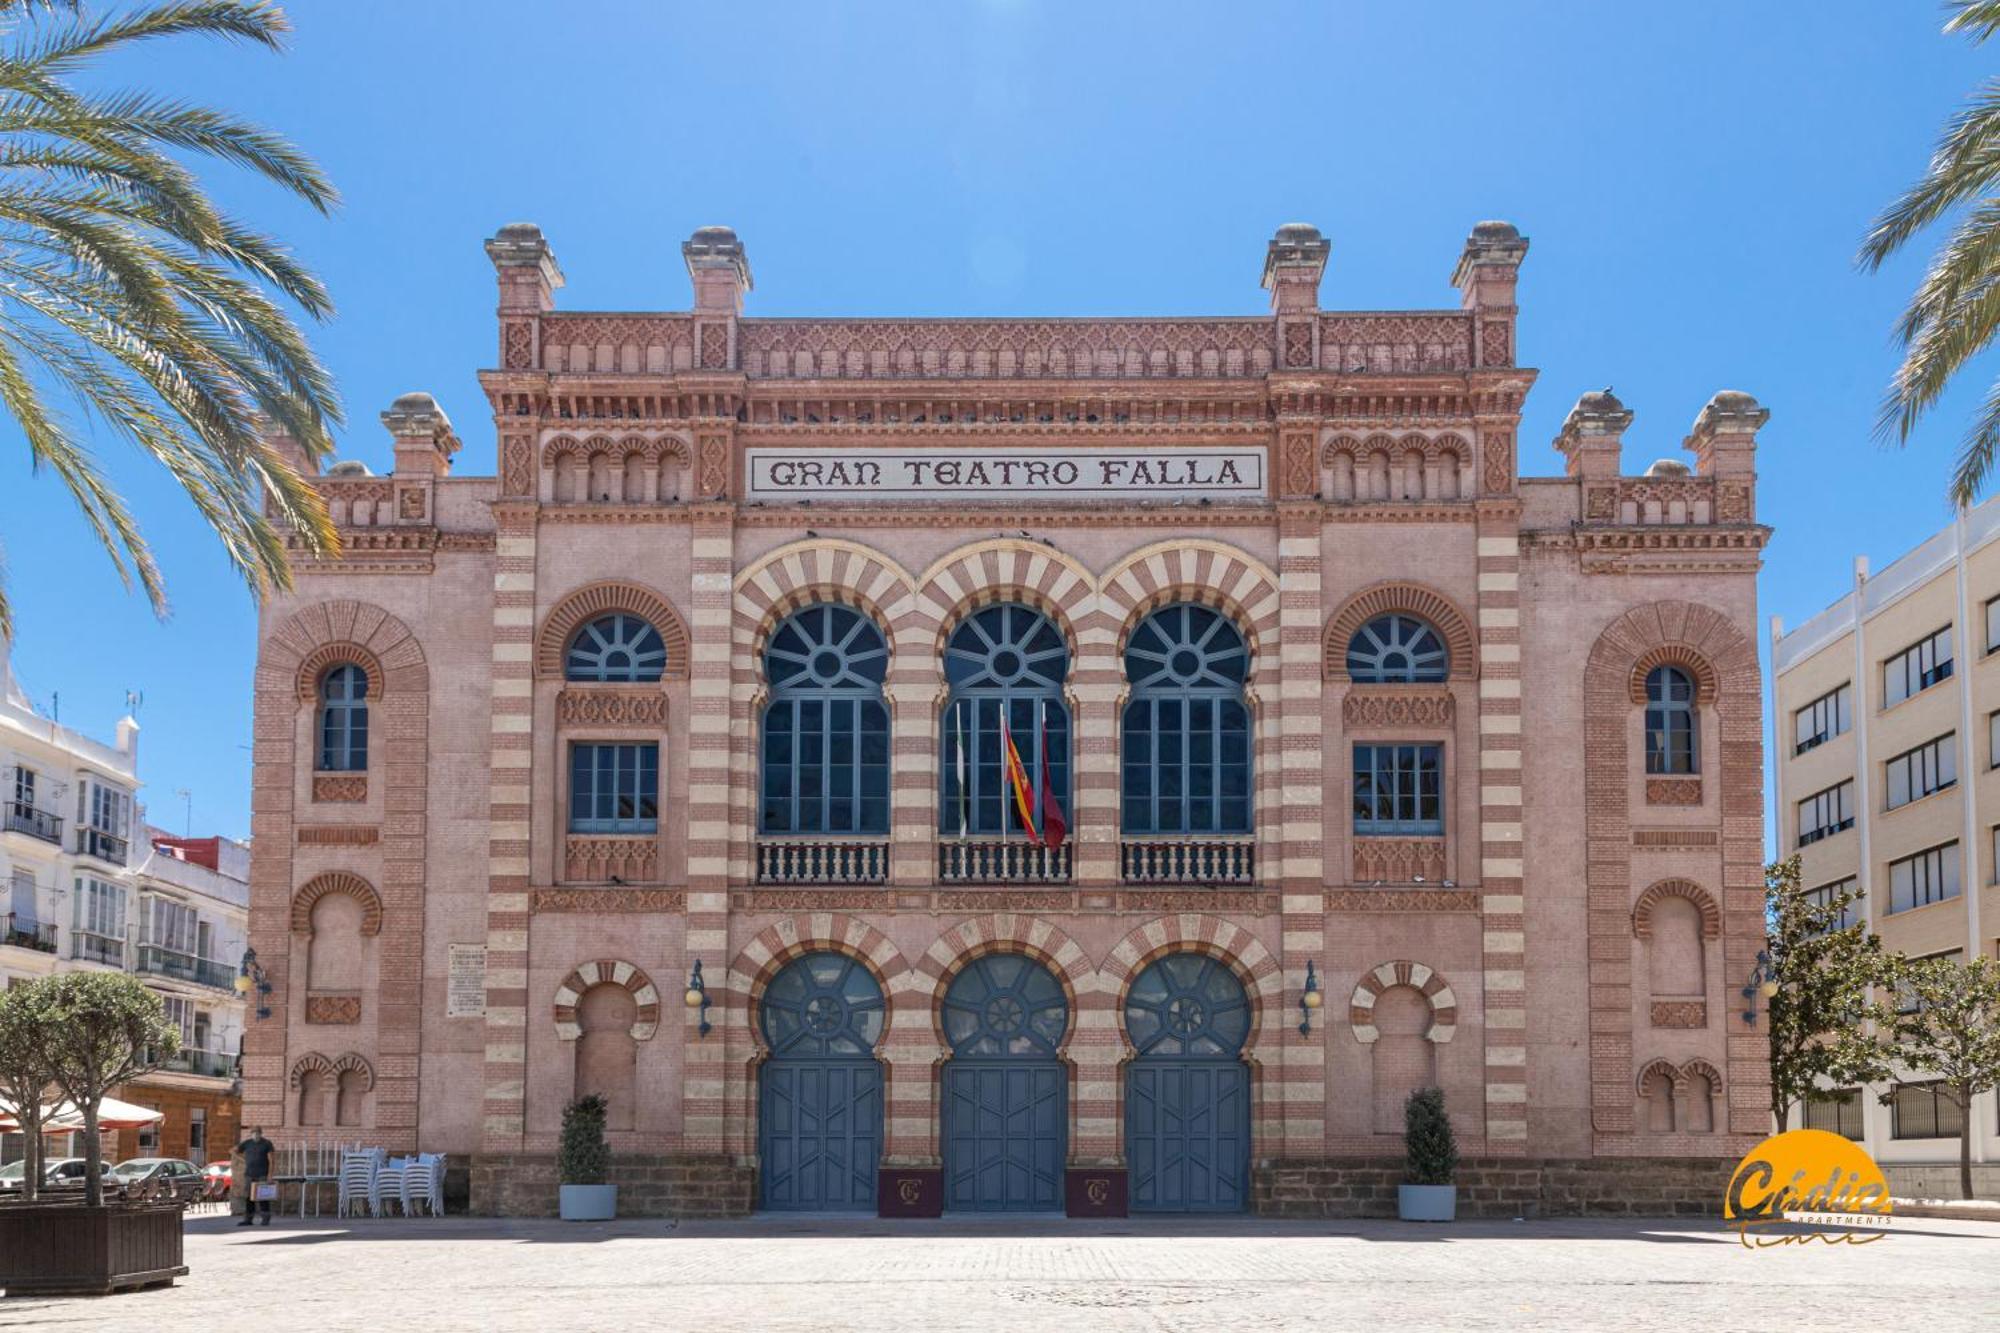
[(21, 931), (997, 861), (21, 817), (96, 948), (822, 861), (208, 1064), (104, 846), (1216, 860), (164, 962)]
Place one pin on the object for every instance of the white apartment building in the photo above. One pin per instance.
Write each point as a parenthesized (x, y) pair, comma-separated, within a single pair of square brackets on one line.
[(1886, 707), (90, 886)]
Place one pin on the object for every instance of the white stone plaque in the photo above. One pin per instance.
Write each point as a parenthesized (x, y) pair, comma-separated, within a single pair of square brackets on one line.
[(1004, 475), (465, 993)]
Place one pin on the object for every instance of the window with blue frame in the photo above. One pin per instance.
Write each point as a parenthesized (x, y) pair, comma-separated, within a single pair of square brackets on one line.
[(1186, 734), (1002, 661), (616, 648), (343, 720), (1398, 789), (1397, 649), (1670, 722), (826, 726), (614, 788)]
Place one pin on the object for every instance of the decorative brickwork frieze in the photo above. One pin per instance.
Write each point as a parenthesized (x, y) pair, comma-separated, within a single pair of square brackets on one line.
[(603, 858), (611, 706), (1398, 860), (338, 835), (1397, 706), (1673, 791), (1679, 1014), (339, 788), (333, 1009)]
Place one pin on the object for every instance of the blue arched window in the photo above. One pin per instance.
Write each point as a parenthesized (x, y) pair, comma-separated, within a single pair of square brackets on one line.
[(1002, 659), (1187, 729), (618, 647), (343, 720), (1670, 721), (1397, 649), (826, 727)]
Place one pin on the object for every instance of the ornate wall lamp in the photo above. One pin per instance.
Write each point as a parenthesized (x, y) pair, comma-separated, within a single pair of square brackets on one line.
[(1763, 982), (1309, 999), (697, 997), (250, 976)]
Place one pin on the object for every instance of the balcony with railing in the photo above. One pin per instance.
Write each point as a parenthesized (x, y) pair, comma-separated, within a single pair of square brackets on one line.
[(160, 961), (1001, 861), (89, 948), (1211, 860), (23, 817), (104, 846), (208, 1064), (20, 931), (805, 861)]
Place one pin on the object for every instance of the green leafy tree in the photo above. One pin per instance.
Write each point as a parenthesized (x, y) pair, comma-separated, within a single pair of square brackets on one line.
[(125, 291), (1955, 312), (24, 1074), (583, 1157), (1825, 1025), (1430, 1150), (1952, 1030), (98, 1030)]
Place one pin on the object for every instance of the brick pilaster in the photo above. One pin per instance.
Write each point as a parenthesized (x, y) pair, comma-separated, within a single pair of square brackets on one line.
[(1301, 869), (1502, 925), (708, 821)]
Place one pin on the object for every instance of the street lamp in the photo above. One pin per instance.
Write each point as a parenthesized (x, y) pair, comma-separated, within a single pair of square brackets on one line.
[(1309, 1000), (1763, 982), (697, 997), (250, 976)]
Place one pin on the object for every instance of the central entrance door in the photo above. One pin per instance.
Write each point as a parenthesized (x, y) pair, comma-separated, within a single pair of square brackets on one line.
[(819, 1121), (1187, 1092), (1006, 1095)]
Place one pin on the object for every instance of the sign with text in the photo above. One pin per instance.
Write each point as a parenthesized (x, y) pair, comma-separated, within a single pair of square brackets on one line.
[(995, 475), (465, 988)]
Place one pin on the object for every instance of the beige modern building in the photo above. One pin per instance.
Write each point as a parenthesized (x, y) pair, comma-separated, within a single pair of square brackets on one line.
[(1887, 710)]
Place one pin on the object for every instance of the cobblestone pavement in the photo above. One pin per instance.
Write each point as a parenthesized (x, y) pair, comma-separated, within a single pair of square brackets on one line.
[(1238, 1273)]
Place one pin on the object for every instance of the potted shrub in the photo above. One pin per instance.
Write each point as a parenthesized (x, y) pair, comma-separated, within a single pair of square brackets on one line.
[(1430, 1160), (582, 1161)]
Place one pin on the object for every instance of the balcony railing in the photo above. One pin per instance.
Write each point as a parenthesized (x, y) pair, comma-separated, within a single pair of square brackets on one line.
[(165, 962), (208, 1064), (822, 861), (24, 818), (1189, 860), (104, 846), (1001, 862), (24, 932), (96, 948)]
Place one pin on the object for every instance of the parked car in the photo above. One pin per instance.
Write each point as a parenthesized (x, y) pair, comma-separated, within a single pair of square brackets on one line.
[(216, 1180), (56, 1174), (155, 1178)]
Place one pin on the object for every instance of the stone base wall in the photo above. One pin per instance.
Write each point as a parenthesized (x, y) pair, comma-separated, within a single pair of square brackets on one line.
[(1501, 1187), (1939, 1180), (662, 1185)]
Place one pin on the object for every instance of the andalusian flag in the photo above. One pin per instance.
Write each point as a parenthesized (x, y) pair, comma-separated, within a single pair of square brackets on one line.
[(1017, 779)]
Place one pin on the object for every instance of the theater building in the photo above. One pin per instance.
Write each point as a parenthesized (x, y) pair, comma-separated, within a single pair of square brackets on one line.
[(673, 763)]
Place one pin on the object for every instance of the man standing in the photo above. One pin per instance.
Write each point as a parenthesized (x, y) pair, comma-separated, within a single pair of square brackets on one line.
[(256, 1154)]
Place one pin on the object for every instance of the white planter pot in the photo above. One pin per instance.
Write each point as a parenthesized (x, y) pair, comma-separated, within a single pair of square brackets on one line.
[(588, 1203), (1427, 1203)]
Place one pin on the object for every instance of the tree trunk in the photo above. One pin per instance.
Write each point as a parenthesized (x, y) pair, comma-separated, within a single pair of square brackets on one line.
[(31, 1135), (93, 1158), (1964, 1144)]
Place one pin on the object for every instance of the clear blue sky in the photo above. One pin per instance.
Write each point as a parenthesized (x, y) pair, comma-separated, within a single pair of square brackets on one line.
[(1695, 180)]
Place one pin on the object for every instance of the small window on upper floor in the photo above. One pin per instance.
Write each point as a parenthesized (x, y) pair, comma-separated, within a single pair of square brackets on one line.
[(1397, 649), (1830, 715), (618, 647), (1826, 813), (1398, 789), (1917, 668), (1928, 877), (343, 720), (1671, 742), (1993, 624), (1929, 768)]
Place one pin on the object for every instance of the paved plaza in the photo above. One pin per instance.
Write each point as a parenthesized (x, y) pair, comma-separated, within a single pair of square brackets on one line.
[(1099, 1276)]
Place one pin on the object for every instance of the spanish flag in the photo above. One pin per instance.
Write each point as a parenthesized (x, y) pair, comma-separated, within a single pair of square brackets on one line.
[(1017, 779)]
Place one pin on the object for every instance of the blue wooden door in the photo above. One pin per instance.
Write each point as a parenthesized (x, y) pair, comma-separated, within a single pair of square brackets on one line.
[(1187, 1092), (819, 1121), (1006, 1094)]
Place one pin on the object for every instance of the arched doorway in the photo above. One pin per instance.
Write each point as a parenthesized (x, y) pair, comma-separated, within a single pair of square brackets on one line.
[(1006, 1104), (1187, 1090), (819, 1121)]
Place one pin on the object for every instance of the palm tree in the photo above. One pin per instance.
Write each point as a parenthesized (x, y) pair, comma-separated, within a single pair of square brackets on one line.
[(125, 291), (1956, 310)]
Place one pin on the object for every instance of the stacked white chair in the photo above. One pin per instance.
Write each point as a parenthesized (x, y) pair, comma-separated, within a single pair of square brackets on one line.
[(388, 1186), (357, 1180), (423, 1183)]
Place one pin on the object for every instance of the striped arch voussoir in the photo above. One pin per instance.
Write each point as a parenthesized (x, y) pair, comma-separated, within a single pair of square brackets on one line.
[(1006, 932), (1006, 569), (1245, 953), (1437, 992), (314, 666), (323, 635), (1642, 910), (354, 1062), (1427, 604), (653, 449), (337, 881), (607, 972), (312, 1062), (807, 573), (1685, 1075), (1653, 1067), (1431, 448), (821, 932), (586, 604), (1675, 655), (1212, 574)]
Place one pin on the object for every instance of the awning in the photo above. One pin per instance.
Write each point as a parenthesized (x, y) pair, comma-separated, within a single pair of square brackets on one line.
[(63, 1117)]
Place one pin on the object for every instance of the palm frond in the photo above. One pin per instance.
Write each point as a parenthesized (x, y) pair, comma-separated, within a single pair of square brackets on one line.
[(1976, 452), (1964, 166), (1979, 18), (77, 39)]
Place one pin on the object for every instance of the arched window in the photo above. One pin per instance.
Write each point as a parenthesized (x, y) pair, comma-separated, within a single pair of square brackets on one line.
[(350, 1087), (1397, 649), (826, 728), (1010, 661), (618, 647), (343, 720), (312, 1098), (1187, 729), (1670, 730)]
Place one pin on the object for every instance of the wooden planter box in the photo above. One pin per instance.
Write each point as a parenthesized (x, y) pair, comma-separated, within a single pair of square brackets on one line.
[(66, 1249)]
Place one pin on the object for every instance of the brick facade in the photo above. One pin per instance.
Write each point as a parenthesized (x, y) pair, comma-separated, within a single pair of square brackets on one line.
[(1388, 483)]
